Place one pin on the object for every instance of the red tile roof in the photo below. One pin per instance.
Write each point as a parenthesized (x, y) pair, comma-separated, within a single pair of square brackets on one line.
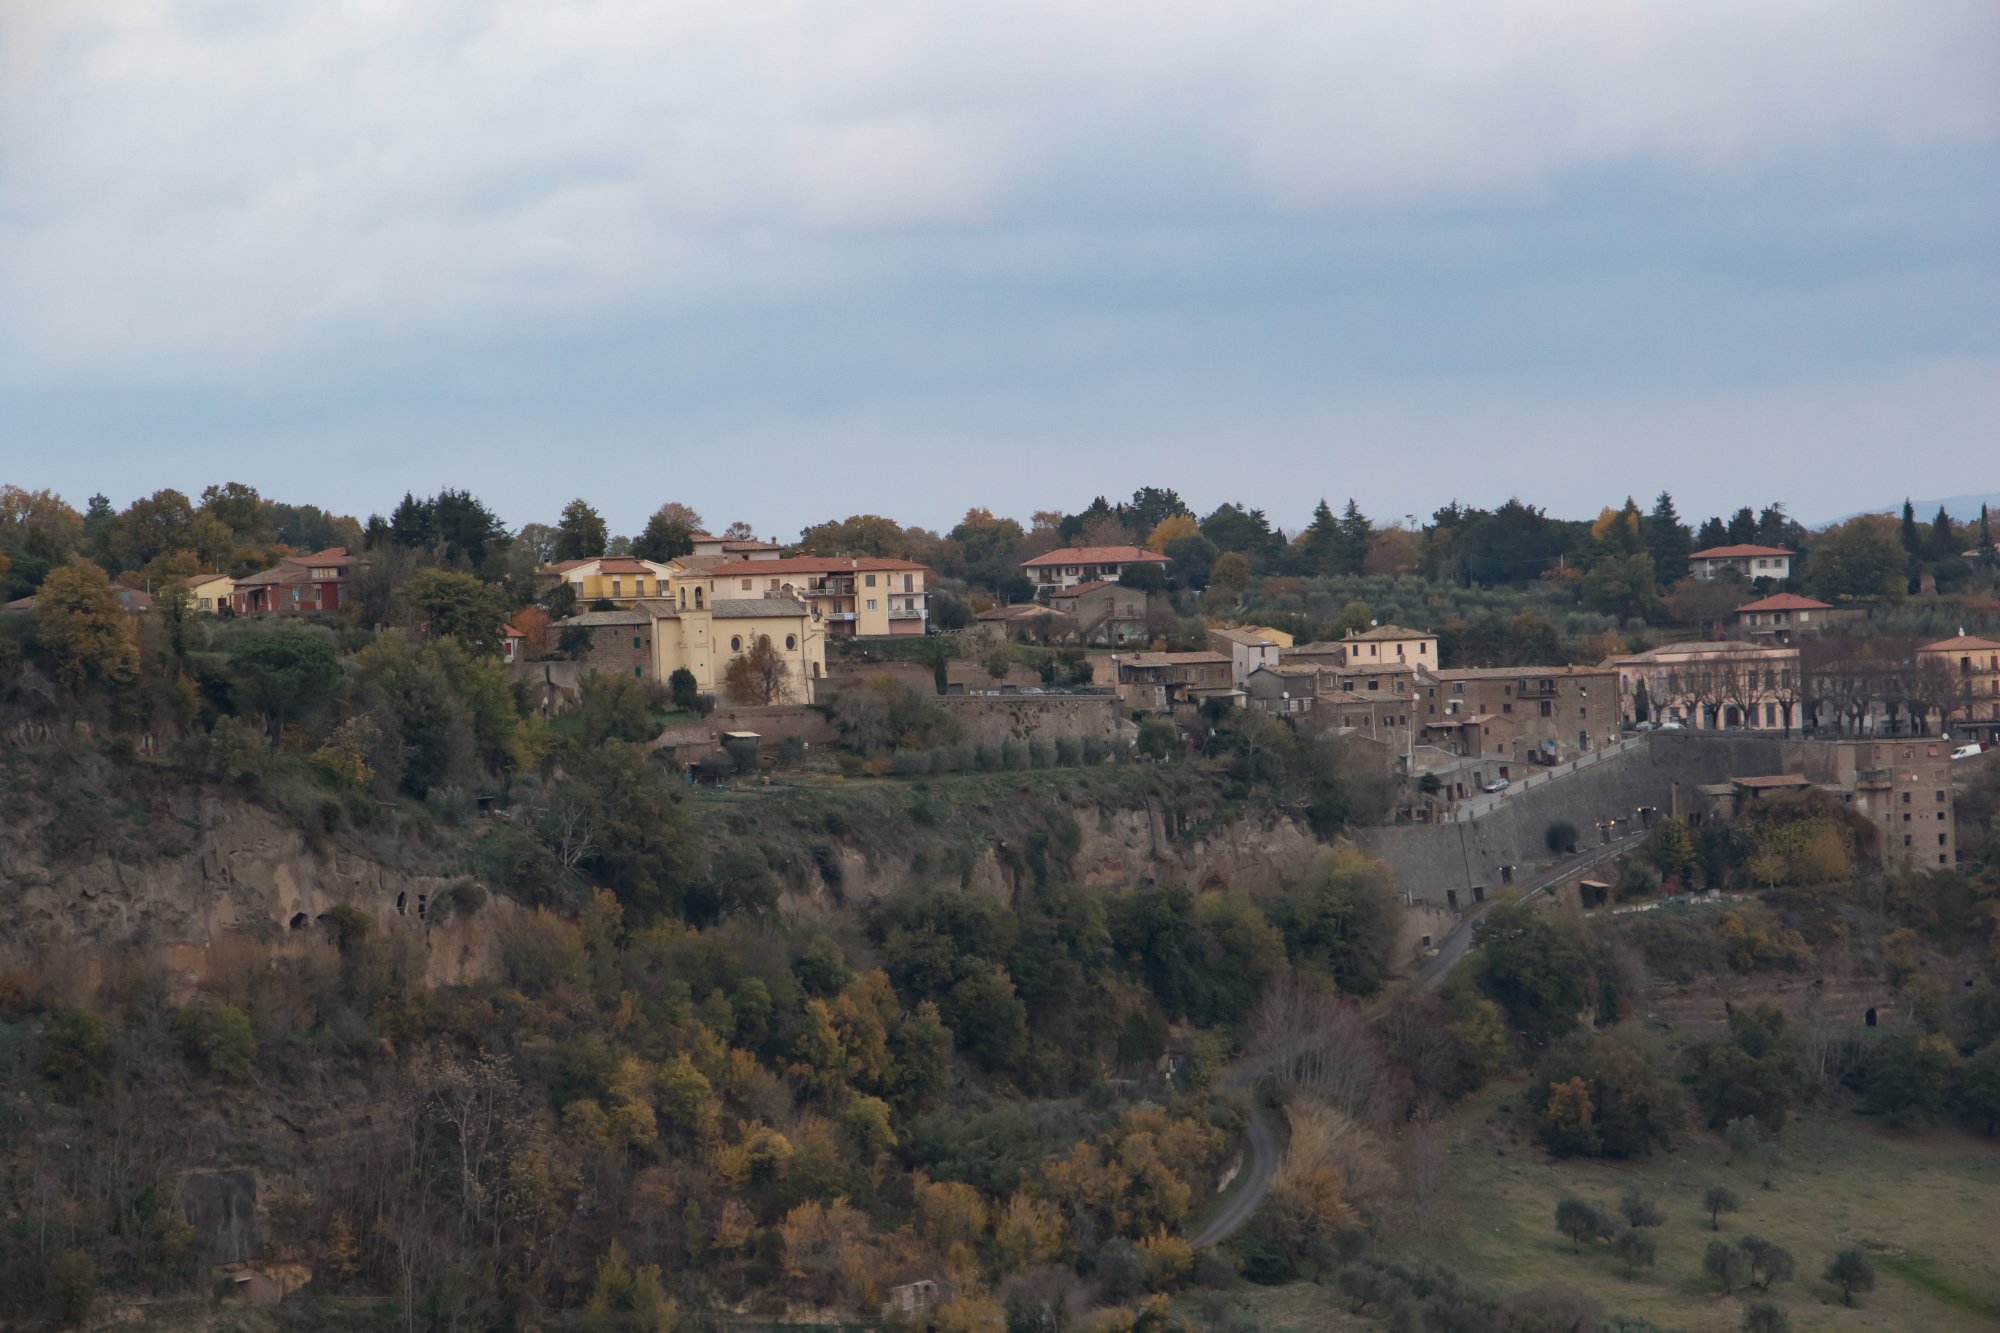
[(1785, 601), (816, 564), (333, 557), (1737, 552), (1962, 642), (1096, 555)]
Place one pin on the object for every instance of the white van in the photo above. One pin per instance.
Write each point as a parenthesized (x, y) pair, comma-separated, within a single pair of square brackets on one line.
[(1966, 751)]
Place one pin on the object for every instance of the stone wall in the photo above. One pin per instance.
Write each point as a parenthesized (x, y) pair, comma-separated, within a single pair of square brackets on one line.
[(774, 722), (1432, 862), (1006, 717)]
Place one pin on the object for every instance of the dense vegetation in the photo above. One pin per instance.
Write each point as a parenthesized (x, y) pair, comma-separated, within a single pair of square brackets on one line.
[(778, 1050)]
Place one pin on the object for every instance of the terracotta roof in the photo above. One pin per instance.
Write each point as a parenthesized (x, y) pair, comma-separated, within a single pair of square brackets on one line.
[(1786, 601), (1317, 648), (565, 566), (1243, 636), (1737, 552), (624, 564), (1958, 644), (1385, 632), (1290, 669), (1021, 611), (1096, 555), (1079, 589), (333, 557), (815, 564)]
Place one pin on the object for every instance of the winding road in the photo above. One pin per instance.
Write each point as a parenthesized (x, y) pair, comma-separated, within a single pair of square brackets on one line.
[(1258, 1168), (1264, 1149)]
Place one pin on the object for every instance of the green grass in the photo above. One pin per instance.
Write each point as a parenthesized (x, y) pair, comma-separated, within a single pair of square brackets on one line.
[(1921, 1204)]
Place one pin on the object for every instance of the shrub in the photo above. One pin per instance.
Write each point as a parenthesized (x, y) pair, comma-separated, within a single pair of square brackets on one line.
[(1766, 1317), (1561, 837), (1851, 1270), (1727, 1264), (1581, 1221), (1720, 1199), (1636, 1248), (217, 1038)]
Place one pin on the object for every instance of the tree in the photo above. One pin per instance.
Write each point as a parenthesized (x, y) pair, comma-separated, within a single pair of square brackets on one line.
[(537, 631), (1535, 967), (1667, 540), (1718, 1200), (1766, 1317), (684, 690), (1581, 1221), (285, 675), (666, 534), (1769, 1261), (1862, 557), (759, 674), (449, 604), (1979, 1087), (1229, 578), (1726, 1264), (1639, 1210), (81, 625), (1146, 577), (580, 533), (1171, 529), (1560, 837), (1851, 1270), (1341, 921), (1636, 1248)]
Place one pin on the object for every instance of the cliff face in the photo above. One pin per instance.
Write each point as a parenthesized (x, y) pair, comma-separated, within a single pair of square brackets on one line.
[(178, 869)]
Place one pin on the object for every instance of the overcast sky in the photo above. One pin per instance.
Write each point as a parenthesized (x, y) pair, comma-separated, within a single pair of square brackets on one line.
[(785, 261)]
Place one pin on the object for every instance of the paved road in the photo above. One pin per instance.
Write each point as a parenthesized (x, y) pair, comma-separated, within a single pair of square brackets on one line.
[(1454, 946), (1262, 1161), (1258, 1168)]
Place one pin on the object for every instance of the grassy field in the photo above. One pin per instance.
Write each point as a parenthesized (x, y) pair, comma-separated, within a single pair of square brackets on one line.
[(1923, 1205)]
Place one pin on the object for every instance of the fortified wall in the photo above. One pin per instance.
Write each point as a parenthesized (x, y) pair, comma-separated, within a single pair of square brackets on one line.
[(1459, 864)]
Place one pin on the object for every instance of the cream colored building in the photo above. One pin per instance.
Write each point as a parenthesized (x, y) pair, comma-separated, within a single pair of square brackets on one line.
[(1712, 686), (1390, 643), (211, 592), (851, 596), (702, 622), (1973, 664)]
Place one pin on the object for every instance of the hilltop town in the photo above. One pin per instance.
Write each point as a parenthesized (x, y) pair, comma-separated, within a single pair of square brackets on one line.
[(1126, 919)]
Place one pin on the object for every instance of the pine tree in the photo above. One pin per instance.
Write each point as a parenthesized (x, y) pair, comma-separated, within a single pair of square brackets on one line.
[(1912, 543), (1318, 547), (1714, 532), (1355, 533), (1743, 527), (1989, 555), (1943, 543), (1667, 540)]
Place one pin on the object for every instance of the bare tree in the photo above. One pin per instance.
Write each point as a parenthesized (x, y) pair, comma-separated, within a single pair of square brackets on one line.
[(1309, 1037), (759, 675)]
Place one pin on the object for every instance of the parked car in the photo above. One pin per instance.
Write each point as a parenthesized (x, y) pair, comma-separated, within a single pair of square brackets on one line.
[(1967, 751), (1645, 726), (1670, 725), (1498, 784)]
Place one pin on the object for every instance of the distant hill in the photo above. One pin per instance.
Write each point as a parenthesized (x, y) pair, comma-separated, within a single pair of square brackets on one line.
[(1963, 508)]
